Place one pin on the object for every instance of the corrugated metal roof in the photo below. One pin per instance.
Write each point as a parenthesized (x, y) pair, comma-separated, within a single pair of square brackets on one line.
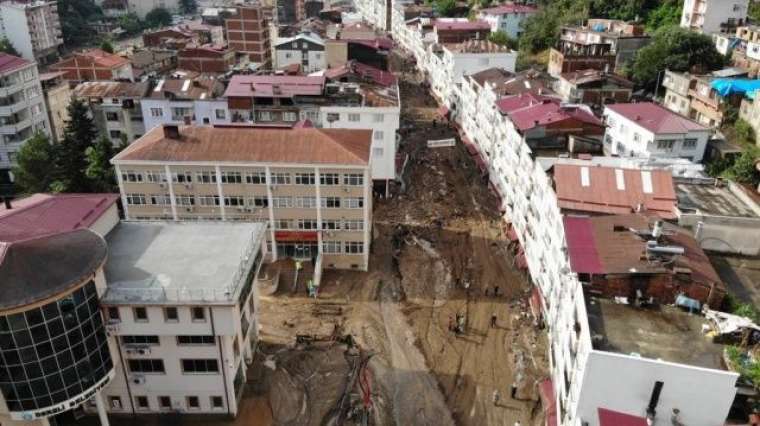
[(10, 62), (274, 85), (656, 118), (110, 89), (584, 258)]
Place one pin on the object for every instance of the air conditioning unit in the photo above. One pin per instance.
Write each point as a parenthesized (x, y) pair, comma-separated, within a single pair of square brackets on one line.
[(138, 380)]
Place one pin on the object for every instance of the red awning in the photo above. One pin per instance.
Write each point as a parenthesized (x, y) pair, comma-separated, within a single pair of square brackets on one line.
[(296, 236), (522, 262), (546, 389), (614, 418)]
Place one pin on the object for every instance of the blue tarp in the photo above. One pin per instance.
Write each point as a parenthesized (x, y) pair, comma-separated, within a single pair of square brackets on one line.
[(687, 302), (730, 86)]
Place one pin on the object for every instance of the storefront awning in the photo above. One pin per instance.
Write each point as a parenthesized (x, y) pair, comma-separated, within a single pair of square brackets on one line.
[(283, 236)]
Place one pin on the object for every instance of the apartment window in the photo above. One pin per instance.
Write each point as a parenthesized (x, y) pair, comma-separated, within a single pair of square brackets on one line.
[(112, 116), (377, 152), (305, 179), (140, 340), (306, 202), (157, 112), (148, 366), (282, 202), (354, 247), (331, 247), (378, 135), (353, 225), (208, 200), (330, 224), (689, 144), (307, 224), (171, 314), (378, 118), (283, 224), (331, 202), (142, 402), (234, 200), (353, 179), (113, 314), (184, 200), (115, 402), (140, 313), (131, 176), (164, 402), (220, 114), (182, 177), (665, 144), (353, 117), (217, 402), (280, 178), (636, 137), (259, 201), (114, 134), (620, 148), (136, 199), (195, 340), (265, 116), (232, 177), (198, 313), (155, 177), (333, 116), (289, 116), (354, 203), (199, 366), (329, 179), (193, 403), (256, 178), (205, 177), (160, 199)]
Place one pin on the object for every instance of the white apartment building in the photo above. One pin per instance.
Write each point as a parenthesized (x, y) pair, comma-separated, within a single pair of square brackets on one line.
[(22, 108), (677, 97), (586, 379), (714, 16), (311, 186), (115, 108), (181, 321), (650, 130), (305, 49), (33, 28), (507, 17), (185, 101)]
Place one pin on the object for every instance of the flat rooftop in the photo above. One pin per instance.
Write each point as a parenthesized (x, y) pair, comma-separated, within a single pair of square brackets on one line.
[(165, 262), (712, 200), (666, 333)]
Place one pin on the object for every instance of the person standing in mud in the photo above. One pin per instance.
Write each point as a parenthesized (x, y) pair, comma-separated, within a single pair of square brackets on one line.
[(493, 320)]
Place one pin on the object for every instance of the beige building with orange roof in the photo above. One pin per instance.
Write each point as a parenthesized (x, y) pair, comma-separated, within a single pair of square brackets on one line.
[(311, 186)]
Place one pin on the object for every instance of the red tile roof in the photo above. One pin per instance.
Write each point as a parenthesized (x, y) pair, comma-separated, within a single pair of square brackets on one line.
[(103, 58), (510, 8), (511, 103), (528, 110), (656, 118), (581, 247), (383, 78), (10, 62), (44, 214), (610, 190), (614, 418), (279, 86), (461, 25)]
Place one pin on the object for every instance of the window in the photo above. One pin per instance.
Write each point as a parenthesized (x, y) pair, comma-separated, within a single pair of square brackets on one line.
[(136, 199), (217, 402), (330, 224), (208, 200), (620, 148), (666, 145), (154, 366), (283, 224), (331, 202), (377, 152), (114, 134), (288, 55), (282, 202), (198, 313), (353, 117), (378, 118), (307, 224), (280, 178), (131, 176), (142, 402), (113, 314), (234, 201), (115, 402), (155, 176), (354, 203), (199, 366), (353, 225), (305, 179), (232, 177), (289, 116), (140, 340), (195, 340), (164, 402), (636, 137), (329, 179), (306, 202), (184, 200), (353, 179), (354, 247), (160, 199), (265, 116), (112, 116), (140, 313), (256, 178), (378, 135), (333, 116), (157, 112), (171, 314), (193, 403), (205, 177), (331, 247), (220, 114), (689, 144)]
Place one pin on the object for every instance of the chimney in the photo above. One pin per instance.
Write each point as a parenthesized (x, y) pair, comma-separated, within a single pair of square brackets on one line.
[(8, 204), (171, 131)]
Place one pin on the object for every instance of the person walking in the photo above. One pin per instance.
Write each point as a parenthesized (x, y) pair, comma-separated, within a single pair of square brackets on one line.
[(493, 320), (496, 291)]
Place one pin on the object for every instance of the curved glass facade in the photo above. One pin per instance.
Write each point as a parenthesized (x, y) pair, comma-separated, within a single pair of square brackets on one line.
[(53, 353)]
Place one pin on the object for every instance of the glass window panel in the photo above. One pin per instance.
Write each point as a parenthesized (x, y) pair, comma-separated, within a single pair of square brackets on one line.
[(40, 334), (33, 370), (34, 317), (44, 350), (55, 327), (17, 322), (28, 354), (6, 341), (54, 382), (49, 366), (51, 311), (23, 338), (11, 357)]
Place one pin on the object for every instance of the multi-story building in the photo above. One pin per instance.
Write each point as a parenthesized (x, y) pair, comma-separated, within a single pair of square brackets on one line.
[(290, 11), (33, 28), (507, 17), (311, 186), (22, 109), (677, 86), (696, 97), (305, 49), (57, 98), (115, 108), (93, 65), (344, 98), (650, 130), (153, 62), (459, 30), (183, 332), (602, 44), (206, 59), (749, 111), (185, 101), (714, 16), (593, 87), (248, 32)]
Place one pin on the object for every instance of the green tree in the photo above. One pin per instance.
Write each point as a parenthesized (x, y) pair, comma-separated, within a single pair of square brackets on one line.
[(130, 23), (188, 6), (676, 49), (78, 135), (106, 46), (668, 13), (75, 17), (99, 167), (754, 11), (7, 47), (503, 39), (158, 17), (445, 7), (744, 169), (33, 165), (541, 31), (744, 132)]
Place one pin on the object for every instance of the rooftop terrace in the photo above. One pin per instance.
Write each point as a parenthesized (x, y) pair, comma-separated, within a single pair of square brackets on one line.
[(710, 199)]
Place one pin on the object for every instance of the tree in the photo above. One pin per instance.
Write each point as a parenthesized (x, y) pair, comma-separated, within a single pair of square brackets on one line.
[(675, 49), (668, 13), (445, 7), (158, 17), (188, 6), (130, 23), (106, 46), (75, 17), (503, 39), (99, 167), (744, 169), (754, 11), (7, 47), (34, 165), (541, 30), (78, 135)]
